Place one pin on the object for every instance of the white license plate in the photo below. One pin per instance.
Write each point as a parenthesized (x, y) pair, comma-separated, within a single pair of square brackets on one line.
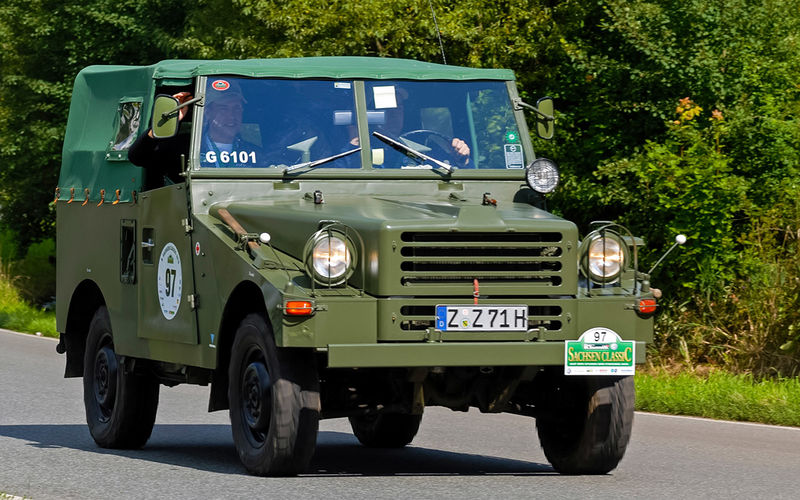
[(481, 318)]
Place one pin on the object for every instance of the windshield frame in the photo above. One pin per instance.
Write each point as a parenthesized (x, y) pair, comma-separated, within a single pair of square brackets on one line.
[(194, 168)]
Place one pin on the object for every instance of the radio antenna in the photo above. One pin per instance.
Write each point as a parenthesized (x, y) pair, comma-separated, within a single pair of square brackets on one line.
[(438, 33)]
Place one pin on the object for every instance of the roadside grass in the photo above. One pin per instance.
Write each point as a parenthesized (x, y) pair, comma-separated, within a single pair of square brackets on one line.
[(18, 315), (6, 496), (720, 395)]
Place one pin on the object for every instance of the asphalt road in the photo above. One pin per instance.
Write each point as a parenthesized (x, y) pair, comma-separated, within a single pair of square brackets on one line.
[(46, 452)]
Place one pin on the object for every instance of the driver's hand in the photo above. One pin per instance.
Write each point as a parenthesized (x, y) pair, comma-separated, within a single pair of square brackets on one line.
[(182, 97), (461, 149)]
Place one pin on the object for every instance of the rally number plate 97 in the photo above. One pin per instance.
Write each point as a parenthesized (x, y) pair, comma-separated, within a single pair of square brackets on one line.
[(476, 318)]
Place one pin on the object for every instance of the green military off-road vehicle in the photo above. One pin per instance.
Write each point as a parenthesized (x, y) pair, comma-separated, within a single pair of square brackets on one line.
[(340, 237)]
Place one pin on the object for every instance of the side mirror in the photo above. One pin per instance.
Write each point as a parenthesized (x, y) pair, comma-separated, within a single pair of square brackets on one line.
[(544, 118), (165, 116)]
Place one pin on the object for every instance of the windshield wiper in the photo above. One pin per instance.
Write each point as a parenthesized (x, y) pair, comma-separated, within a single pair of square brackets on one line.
[(412, 153), (316, 163)]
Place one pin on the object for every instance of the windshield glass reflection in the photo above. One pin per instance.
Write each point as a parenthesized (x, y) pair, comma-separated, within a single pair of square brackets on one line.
[(465, 124), (281, 123), (275, 123)]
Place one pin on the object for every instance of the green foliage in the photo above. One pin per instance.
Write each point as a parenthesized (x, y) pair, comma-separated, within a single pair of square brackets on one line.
[(37, 272), (683, 184), (630, 61), (43, 45), (726, 180), (474, 32), (8, 246), (750, 325), (34, 275), (16, 314)]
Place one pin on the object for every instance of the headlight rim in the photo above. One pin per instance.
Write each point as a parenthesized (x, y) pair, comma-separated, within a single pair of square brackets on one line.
[(529, 170), (310, 251), (586, 264)]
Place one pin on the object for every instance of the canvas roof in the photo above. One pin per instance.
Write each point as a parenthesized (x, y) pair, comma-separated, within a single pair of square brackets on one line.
[(87, 162)]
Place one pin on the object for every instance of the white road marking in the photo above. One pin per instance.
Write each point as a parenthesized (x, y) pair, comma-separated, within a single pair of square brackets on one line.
[(734, 422)]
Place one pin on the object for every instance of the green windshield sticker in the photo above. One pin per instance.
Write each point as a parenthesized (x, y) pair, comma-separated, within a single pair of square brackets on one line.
[(599, 351), (512, 137)]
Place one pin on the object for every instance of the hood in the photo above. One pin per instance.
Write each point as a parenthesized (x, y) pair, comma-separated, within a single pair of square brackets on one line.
[(290, 223), (432, 246)]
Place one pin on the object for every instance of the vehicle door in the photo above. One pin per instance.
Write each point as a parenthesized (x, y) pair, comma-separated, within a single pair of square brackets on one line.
[(166, 288)]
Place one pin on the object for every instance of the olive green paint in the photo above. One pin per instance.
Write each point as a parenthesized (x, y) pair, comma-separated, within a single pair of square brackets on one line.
[(360, 325), (446, 354)]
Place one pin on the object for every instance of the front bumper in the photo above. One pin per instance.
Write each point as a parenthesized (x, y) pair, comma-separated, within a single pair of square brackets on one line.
[(430, 354), (361, 332)]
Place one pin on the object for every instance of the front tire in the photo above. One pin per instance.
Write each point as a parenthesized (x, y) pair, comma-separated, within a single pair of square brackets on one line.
[(385, 430), (120, 406), (586, 422), (274, 401)]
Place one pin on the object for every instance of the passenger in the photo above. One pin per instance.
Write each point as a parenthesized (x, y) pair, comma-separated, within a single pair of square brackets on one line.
[(162, 156)]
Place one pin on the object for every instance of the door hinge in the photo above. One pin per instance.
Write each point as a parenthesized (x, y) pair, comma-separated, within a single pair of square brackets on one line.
[(193, 301), (187, 225)]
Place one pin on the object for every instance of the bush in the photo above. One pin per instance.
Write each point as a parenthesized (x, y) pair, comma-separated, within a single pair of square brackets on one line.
[(16, 314), (750, 325), (37, 272), (733, 291), (682, 184)]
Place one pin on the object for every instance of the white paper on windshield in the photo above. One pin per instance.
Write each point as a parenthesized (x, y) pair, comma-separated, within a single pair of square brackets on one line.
[(377, 156), (384, 97), (341, 85), (513, 155)]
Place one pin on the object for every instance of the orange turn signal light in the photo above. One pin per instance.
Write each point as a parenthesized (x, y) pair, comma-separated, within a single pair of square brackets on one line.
[(647, 306), (298, 308)]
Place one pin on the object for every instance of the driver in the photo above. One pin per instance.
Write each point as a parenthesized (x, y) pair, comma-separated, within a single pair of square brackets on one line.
[(222, 145), (393, 126)]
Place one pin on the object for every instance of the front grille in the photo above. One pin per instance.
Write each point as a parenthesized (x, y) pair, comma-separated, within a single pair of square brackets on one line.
[(534, 258), (422, 317)]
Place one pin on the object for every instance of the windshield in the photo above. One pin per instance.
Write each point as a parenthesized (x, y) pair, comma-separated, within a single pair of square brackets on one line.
[(464, 124), (282, 123), (269, 123)]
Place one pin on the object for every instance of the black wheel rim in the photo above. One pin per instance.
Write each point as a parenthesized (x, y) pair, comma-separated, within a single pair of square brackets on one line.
[(256, 397), (105, 381)]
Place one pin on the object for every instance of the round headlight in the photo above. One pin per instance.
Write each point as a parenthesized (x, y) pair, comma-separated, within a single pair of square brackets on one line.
[(606, 257), (330, 258), (542, 175)]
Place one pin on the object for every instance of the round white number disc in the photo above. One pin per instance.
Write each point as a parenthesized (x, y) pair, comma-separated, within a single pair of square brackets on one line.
[(169, 281)]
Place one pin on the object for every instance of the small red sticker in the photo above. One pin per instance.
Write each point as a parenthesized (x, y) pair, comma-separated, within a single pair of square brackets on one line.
[(220, 85), (197, 248)]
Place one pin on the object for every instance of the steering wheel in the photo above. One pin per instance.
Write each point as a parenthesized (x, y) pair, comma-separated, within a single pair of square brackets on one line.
[(441, 141), (427, 133)]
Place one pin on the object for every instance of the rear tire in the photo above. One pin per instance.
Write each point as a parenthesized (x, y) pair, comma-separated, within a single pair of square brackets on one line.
[(586, 422), (274, 401), (385, 430), (120, 406)]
